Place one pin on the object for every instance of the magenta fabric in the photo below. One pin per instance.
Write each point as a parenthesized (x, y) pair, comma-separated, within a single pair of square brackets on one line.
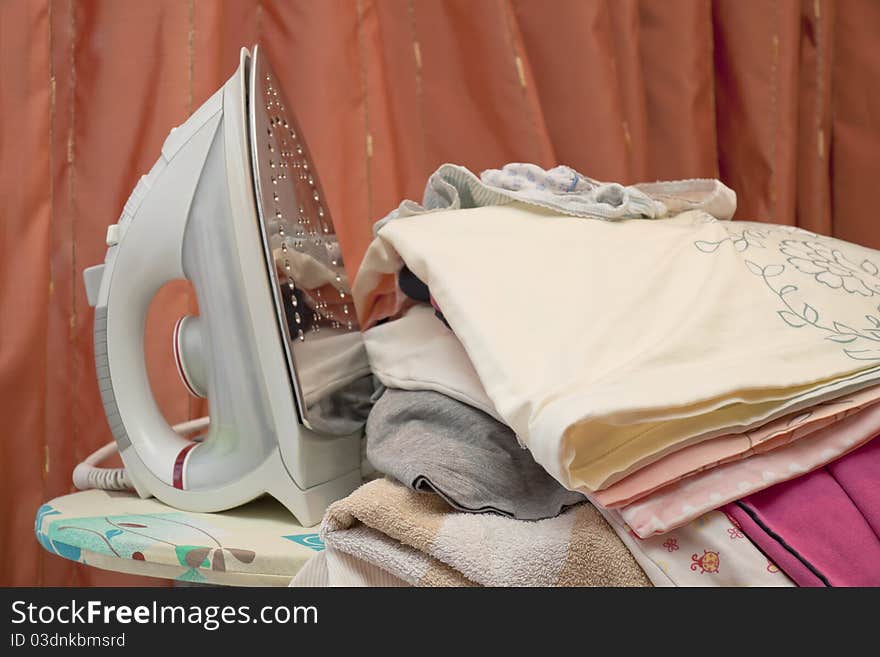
[(822, 529), (788, 562), (858, 474)]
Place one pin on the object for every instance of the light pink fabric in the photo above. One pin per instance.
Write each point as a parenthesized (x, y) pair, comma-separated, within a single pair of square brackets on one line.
[(733, 447), (681, 502)]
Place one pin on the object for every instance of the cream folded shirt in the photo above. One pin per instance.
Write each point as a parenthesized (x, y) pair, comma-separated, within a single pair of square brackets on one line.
[(606, 345)]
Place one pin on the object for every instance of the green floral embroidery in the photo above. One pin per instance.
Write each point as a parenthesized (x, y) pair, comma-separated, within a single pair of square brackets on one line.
[(828, 265), (866, 337), (749, 237), (831, 267)]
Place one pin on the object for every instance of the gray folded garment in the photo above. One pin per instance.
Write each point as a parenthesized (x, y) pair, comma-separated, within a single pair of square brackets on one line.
[(433, 443)]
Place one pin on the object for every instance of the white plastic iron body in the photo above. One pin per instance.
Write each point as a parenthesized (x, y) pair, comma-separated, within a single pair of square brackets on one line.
[(201, 213)]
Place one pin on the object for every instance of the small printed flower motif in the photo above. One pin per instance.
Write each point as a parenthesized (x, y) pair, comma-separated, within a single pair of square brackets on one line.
[(707, 563), (831, 267), (772, 567), (671, 545), (735, 533)]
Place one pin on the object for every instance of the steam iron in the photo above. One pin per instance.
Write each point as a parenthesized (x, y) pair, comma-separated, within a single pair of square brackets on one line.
[(234, 205)]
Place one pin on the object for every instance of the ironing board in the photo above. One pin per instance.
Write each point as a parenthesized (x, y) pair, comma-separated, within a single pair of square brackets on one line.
[(259, 544)]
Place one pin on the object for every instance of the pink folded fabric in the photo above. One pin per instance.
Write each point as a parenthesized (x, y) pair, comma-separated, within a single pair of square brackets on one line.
[(684, 500), (858, 474), (814, 527), (725, 449)]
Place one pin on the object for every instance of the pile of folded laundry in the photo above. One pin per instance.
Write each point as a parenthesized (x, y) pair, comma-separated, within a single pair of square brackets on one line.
[(585, 383)]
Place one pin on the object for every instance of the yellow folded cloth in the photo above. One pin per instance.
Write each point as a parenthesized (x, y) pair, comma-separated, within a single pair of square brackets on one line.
[(607, 345)]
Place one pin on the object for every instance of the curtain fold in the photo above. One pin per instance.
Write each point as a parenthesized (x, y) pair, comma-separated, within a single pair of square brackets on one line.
[(779, 98)]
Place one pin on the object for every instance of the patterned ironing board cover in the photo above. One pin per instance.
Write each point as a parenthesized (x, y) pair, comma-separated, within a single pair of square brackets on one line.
[(259, 544)]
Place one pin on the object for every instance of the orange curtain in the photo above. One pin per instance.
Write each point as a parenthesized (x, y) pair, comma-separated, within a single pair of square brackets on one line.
[(779, 98)]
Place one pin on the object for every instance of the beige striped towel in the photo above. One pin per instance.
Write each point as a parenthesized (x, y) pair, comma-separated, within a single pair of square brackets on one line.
[(423, 541)]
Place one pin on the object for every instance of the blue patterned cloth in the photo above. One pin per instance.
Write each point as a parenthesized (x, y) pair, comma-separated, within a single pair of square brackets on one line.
[(564, 190)]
